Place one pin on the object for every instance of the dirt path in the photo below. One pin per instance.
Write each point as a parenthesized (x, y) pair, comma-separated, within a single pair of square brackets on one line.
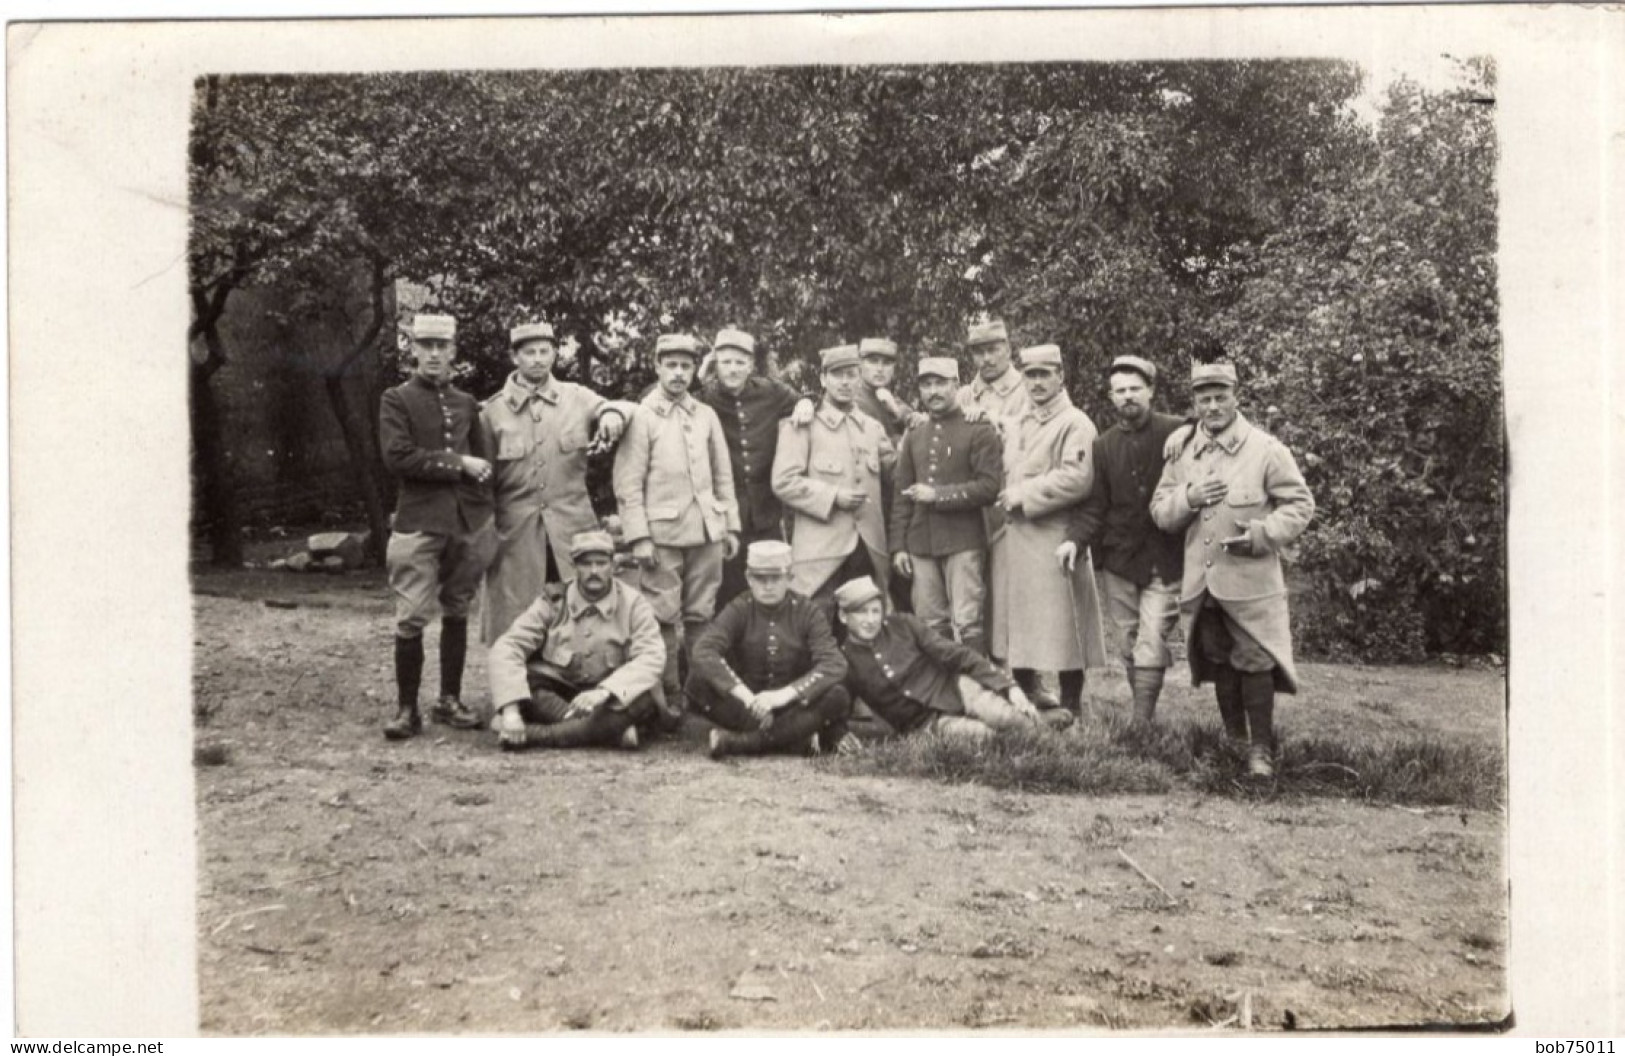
[(353, 885)]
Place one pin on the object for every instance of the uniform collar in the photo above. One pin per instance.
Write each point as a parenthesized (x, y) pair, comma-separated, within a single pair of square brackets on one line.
[(953, 413), (833, 416), (1234, 435), (578, 604), (432, 386), (1003, 386), (663, 405), (519, 392)]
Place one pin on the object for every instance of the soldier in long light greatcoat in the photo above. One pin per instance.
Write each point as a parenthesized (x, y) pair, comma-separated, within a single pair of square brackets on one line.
[(1043, 621), (1237, 494), (542, 431)]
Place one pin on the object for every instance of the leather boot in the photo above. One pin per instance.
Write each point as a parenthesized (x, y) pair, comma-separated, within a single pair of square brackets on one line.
[(1227, 687), (1146, 682), (603, 726), (1072, 691), (791, 726), (408, 722), (1258, 697)]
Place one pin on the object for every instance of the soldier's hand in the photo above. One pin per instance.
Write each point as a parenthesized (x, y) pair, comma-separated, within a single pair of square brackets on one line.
[(477, 467), (730, 546), (888, 401), (850, 498), (1240, 544), (510, 725), (1009, 503), (1209, 492), (610, 426), (802, 416), (1175, 443), (1066, 555), (922, 493), (917, 419), (593, 699), (904, 565), (975, 414), (774, 699), (643, 552), (1019, 701)]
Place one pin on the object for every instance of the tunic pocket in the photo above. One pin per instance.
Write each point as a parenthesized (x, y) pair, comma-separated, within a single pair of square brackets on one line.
[(511, 447), (572, 439), (829, 467), (559, 649)]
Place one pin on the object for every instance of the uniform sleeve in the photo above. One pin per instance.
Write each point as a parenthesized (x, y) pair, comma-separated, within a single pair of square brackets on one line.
[(1170, 503), (786, 397), (1292, 503), (401, 453), (1089, 517), (722, 471), (956, 659), (708, 655), (987, 473), (902, 507), (510, 653), (792, 483), (598, 406), (630, 473), (645, 651), (1069, 480), (828, 662)]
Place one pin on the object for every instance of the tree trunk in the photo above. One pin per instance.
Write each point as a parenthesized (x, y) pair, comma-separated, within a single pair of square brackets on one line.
[(361, 465), (214, 464)]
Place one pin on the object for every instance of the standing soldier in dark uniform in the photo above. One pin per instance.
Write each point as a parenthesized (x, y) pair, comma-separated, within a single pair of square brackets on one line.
[(949, 471), (1141, 563), (877, 371), (750, 407), (767, 670), (442, 536)]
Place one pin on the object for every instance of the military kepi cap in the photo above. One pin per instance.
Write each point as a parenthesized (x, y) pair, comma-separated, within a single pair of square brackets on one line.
[(938, 367), (530, 332), (1142, 367), (984, 333), (685, 344), (855, 593), (838, 357), (731, 338), (434, 327), (1213, 374), (593, 542), (878, 346), (1046, 357), (768, 555)]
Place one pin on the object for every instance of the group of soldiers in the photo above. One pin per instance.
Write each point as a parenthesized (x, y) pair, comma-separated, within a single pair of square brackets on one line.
[(766, 537)]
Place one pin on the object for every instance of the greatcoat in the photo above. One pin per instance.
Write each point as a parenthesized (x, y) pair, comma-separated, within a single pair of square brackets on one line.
[(540, 437), (1042, 618), (1266, 490)]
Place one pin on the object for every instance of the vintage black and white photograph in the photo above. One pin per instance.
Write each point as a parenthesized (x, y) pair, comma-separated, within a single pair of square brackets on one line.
[(849, 546)]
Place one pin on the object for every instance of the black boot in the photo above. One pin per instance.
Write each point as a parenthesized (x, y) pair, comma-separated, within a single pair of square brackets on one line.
[(602, 727), (1227, 687), (790, 727), (450, 709), (1258, 697), (1072, 692), (408, 676)]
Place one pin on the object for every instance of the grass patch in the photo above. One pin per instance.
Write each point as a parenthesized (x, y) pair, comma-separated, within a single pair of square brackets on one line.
[(1105, 755)]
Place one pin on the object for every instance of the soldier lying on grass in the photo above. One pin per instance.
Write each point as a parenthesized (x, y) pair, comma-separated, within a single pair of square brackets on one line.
[(916, 679)]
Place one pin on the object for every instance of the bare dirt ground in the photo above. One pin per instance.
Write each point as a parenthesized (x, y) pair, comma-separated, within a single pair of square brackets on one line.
[(350, 884)]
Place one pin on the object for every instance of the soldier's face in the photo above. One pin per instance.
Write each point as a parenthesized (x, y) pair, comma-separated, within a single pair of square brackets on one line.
[(768, 588), (1216, 407), (863, 623), (878, 371), (1042, 383), (594, 575), (734, 367), (840, 383), (992, 359), (1131, 396), (433, 356), (534, 359), (675, 373), (937, 393)]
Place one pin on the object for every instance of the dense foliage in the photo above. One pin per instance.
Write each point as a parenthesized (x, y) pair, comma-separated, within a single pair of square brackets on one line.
[(1348, 264)]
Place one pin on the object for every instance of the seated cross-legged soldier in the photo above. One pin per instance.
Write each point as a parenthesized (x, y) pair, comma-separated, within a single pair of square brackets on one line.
[(579, 670), (916, 679), (767, 670)]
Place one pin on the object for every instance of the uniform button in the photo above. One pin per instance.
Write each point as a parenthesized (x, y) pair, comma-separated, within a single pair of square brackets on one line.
[(1208, 540), (1209, 564)]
